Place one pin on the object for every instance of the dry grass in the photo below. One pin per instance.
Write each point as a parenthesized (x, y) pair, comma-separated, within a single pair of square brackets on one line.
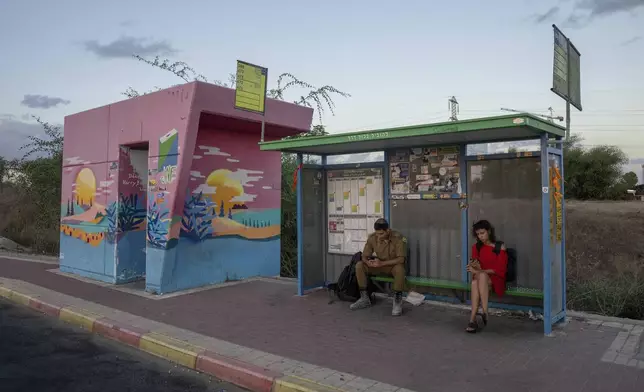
[(18, 222), (605, 257)]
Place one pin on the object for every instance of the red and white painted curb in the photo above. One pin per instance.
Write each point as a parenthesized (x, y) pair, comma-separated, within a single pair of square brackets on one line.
[(278, 374)]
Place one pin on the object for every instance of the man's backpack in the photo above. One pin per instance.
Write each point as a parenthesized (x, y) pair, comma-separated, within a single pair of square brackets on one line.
[(511, 273), (346, 288)]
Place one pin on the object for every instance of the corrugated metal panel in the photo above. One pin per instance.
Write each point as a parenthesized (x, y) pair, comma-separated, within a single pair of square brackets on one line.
[(313, 220), (507, 193), (334, 265), (433, 231)]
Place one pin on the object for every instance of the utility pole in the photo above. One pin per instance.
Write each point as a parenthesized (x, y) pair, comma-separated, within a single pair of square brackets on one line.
[(452, 105)]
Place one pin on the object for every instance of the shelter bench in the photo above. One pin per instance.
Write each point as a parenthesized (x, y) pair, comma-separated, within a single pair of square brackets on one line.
[(458, 286)]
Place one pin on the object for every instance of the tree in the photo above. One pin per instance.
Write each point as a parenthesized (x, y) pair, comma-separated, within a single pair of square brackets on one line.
[(593, 173), (4, 168), (630, 180)]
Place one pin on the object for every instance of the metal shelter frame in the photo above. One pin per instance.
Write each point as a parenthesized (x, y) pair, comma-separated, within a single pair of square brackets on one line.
[(515, 127)]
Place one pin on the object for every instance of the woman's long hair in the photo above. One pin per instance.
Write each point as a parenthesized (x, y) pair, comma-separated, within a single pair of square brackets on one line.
[(484, 225)]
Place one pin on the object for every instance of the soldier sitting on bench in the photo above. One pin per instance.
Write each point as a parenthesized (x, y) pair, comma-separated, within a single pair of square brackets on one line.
[(383, 254)]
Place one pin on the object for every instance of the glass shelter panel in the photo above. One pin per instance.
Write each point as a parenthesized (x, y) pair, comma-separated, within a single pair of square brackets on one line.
[(313, 233), (433, 231), (507, 192)]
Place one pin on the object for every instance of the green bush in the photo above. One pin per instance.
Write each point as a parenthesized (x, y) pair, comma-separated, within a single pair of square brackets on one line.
[(619, 296)]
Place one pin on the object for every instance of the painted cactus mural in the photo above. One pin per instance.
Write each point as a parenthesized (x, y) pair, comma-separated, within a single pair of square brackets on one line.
[(157, 226)]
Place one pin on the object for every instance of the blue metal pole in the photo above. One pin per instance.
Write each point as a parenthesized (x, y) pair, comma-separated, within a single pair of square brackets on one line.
[(545, 236), (300, 228), (464, 224)]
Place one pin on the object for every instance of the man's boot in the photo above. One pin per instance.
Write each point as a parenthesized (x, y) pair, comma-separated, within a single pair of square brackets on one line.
[(362, 302), (397, 309)]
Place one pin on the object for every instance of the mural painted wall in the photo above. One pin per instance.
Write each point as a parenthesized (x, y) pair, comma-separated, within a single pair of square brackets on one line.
[(146, 195), (105, 206), (230, 225)]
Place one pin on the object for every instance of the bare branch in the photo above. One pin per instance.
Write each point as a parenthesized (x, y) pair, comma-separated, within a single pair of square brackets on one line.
[(319, 99), (51, 146)]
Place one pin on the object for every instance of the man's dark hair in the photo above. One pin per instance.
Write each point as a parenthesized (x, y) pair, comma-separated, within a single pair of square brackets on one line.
[(484, 225), (381, 224)]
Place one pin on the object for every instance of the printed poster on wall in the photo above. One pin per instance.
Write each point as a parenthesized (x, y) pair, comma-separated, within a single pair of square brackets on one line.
[(426, 170), (355, 201)]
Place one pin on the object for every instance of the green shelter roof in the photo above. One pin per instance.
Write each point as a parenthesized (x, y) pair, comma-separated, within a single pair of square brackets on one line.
[(518, 126)]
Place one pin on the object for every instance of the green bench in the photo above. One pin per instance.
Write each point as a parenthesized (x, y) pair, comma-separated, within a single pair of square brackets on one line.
[(513, 291)]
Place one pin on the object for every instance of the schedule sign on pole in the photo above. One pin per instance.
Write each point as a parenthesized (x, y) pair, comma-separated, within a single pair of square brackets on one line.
[(250, 92), (566, 81)]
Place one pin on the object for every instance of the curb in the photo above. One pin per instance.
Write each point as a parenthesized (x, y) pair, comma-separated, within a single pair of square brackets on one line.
[(242, 374)]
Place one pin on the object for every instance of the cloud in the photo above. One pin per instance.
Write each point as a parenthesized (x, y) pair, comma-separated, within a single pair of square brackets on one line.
[(206, 189), (546, 16), (197, 174), (127, 23), (631, 41), (36, 101), (243, 198), (637, 161), (213, 151), (585, 11), (127, 46), (600, 8), (245, 176), (232, 160), (15, 134)]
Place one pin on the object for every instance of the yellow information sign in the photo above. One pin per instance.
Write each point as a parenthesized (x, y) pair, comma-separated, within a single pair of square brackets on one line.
[(250, 93)]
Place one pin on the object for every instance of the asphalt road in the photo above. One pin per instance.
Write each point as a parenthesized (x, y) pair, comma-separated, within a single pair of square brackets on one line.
[(39, 353)]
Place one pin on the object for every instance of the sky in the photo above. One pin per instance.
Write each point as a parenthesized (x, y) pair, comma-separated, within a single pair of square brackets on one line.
[(400, 61)]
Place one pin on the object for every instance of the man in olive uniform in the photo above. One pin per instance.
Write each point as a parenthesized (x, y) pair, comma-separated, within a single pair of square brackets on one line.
[(383, 254)]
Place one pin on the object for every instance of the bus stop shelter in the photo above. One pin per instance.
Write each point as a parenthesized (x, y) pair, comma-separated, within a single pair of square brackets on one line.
[(433, 182)]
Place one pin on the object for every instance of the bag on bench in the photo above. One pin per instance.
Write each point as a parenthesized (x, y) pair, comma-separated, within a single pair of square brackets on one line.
[(511, 273), (346, 288)]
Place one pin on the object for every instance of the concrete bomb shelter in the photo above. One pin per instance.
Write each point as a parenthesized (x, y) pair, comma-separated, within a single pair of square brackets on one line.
[(434, 182)]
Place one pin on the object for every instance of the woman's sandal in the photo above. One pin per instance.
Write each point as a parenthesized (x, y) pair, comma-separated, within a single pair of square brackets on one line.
[(472, 327)]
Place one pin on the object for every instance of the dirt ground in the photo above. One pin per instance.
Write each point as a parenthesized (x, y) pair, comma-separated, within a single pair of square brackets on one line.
[(605, 236), (605, 257)]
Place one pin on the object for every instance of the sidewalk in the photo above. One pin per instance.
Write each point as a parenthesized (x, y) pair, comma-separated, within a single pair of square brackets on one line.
[(425, 350)]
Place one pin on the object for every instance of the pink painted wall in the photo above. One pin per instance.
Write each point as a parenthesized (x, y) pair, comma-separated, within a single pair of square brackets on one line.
[(259, 172), (93, 139), (221, 100)]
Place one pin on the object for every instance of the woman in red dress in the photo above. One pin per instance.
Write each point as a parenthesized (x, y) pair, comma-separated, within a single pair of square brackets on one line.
[(488, 270)]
